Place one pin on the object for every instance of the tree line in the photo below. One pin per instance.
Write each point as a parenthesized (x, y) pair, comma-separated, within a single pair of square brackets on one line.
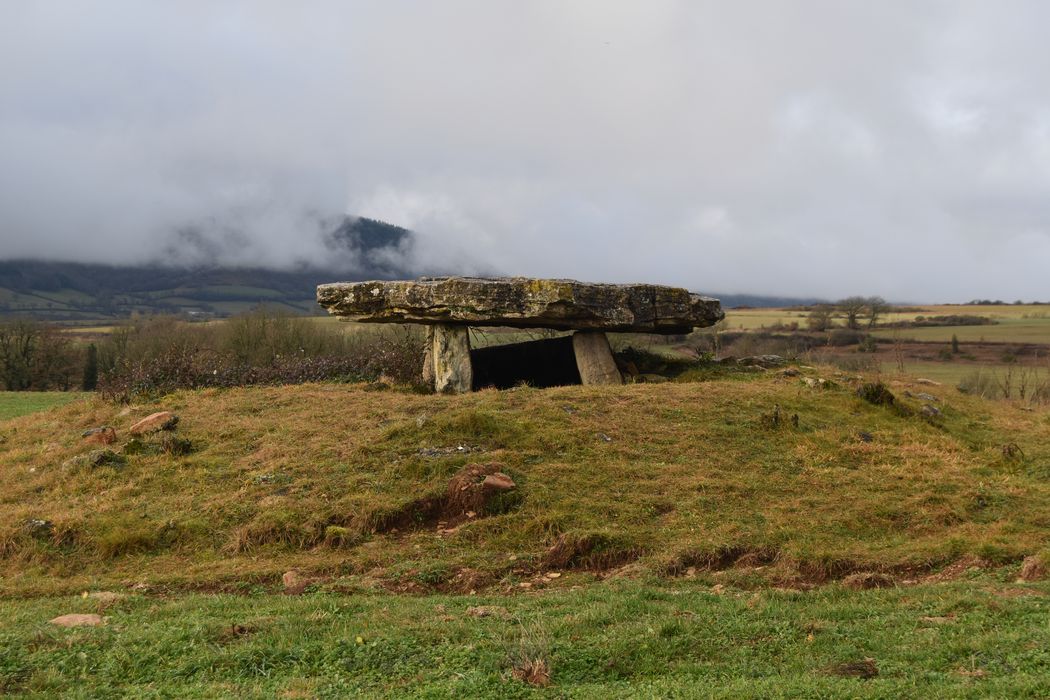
[(858, 312), (36, 356)]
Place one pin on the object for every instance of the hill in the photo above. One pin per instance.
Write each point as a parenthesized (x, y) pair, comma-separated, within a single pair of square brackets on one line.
[(661, 538), (662, 477), (360, 248)]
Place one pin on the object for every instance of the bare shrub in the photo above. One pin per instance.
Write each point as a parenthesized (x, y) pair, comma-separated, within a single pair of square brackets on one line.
[(156, 356)]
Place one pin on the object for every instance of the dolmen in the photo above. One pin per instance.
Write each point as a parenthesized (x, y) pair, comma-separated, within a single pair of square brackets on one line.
[(450, 306)]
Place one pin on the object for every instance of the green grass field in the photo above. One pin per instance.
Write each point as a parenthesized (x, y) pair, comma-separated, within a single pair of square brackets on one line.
[(978, 637), (20, 403)]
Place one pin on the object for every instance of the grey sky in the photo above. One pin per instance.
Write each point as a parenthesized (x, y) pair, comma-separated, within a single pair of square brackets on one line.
[(815, 147)]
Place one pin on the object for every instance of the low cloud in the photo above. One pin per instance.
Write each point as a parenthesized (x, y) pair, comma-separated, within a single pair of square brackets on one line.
[(811, 148)]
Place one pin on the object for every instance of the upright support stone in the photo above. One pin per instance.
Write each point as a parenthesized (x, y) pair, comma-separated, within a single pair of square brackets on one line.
[(449, 359), (428, 358), (594, 359)]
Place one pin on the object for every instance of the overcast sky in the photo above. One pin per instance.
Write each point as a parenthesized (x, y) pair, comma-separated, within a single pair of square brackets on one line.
[(814, 147)]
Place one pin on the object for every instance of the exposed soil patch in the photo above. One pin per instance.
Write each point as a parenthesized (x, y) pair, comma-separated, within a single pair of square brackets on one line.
[(474, 491), (596, 552)]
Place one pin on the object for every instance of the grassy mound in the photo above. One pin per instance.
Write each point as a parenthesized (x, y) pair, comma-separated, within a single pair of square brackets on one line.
[(752, 479)]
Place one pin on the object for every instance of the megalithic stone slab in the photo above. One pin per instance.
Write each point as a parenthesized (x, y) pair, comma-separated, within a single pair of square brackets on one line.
[(594, 359), (523, 302), (449, 357)]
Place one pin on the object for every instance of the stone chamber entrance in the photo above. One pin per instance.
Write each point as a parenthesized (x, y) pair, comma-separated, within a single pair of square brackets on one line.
[(541, 363)]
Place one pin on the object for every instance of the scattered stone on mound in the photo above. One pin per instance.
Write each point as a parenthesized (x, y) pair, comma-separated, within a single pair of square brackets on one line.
[(78, 620), (104, 435), (930, 411), (106, 458), (1033, 568), (498, 481), (763, 361), (472, 487), (162, 420), (446, 451), (294, 582), (489, 611), (38, 528), (523, 302)]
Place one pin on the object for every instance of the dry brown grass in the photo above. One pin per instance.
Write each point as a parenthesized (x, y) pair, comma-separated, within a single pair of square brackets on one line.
[(305, 477)]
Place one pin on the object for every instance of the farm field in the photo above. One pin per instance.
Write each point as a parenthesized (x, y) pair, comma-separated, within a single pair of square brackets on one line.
[(19, 403), (1015, 323)]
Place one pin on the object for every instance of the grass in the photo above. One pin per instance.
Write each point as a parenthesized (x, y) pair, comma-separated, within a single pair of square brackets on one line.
[(658, 477), (19, 403), (982, 637), (671, 540)]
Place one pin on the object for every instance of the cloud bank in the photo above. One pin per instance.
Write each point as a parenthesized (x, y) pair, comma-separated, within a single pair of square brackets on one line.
[(819, 147)]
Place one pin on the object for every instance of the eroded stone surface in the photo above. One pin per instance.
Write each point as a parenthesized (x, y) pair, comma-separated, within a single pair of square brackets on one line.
[(449, 359), (594, 359), (524, 303)]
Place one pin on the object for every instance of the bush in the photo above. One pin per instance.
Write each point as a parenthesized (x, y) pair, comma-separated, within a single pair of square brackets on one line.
[(841, 337), (157, 356)]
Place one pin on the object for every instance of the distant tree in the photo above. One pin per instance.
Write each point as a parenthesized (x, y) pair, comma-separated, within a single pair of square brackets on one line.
[(90, 380), (876, 307), (955, 344), (852, 308), (819, 318)]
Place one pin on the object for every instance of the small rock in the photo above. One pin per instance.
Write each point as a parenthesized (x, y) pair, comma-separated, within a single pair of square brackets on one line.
[(105, 458), (790, 372), (78, 620), (927, 382), (163, 420), (865, 436), (764, 361), (446, 451), (1033, 569), (498, 482), (604, 438), (923, 396), (489, 611), (104, 435), (294, 582), (38, 528), (930, 411)]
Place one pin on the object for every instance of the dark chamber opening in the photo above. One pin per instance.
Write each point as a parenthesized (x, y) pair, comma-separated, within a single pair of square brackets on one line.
[(539, 363)]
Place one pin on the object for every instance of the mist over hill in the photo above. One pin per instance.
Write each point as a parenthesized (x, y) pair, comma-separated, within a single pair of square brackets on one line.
[(181, 281)]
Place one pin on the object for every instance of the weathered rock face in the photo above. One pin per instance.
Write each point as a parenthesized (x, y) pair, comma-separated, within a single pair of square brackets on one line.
[(594, 359), (523, 303), (448, 359)]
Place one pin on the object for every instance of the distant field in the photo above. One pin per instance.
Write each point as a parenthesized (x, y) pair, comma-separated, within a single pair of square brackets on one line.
[(20, 403), (1016, 324)]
